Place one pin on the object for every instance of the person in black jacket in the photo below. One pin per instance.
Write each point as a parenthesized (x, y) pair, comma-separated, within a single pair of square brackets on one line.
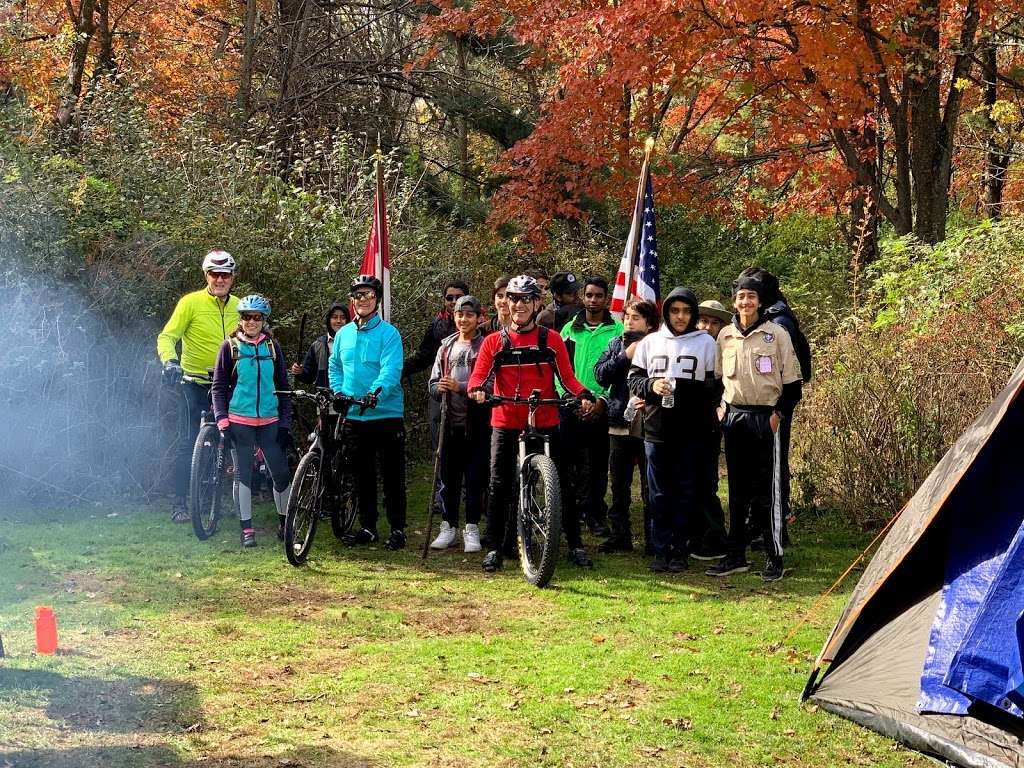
[(314, 367), (625, 434), (440, 328)]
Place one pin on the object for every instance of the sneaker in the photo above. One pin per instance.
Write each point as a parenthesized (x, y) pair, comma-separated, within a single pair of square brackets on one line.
[(773, 569), (180, 512), (616, 544), (492, 561), (396, 540), (678, 565), (445, 537), (248, 537), (727, 567), (471, 538), (708, 553), (362, 536), (659, 564), (578, 557)]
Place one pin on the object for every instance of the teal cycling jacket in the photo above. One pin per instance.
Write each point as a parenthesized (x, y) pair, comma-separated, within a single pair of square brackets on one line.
[(367, 357)]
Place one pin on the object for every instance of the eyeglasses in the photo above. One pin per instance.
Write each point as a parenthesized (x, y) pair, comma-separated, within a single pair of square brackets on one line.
[(248, 318), (514, 298), (363, 295), (221, 275), (453, 297)]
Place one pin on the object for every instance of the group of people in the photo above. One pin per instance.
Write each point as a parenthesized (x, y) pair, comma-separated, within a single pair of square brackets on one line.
[(656, 392)]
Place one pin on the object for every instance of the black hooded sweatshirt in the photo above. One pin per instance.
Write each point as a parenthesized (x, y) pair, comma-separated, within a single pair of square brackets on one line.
[(314, 366)]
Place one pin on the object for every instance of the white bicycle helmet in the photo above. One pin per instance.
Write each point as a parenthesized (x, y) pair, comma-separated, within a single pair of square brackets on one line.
[(523, 285), (219, 261)]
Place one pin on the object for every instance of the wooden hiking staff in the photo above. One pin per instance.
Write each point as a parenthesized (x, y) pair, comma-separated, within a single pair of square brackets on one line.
[(442, 428)]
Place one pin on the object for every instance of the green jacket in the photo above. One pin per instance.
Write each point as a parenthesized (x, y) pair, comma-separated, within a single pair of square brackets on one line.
[(586, 343), (200, 322)]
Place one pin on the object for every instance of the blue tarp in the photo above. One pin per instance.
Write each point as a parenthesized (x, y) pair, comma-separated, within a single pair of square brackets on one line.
[(974, 650)]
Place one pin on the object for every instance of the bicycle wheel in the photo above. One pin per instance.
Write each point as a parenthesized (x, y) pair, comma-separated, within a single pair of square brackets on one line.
[(208, 486), (303, 509), (344, 515), (539, 525)]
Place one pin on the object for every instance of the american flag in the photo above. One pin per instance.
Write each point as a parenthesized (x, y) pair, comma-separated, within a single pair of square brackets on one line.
[(377, 256), (639, 263)]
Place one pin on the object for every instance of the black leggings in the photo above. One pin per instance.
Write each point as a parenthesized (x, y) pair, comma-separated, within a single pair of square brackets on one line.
[(245, 439)]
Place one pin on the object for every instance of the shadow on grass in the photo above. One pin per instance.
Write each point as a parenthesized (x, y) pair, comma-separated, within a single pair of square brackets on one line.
[(166, 757), (119, 705)]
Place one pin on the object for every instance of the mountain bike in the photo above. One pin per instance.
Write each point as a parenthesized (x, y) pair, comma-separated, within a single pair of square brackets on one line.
[(212, 468), (539, 516), (323, 486)]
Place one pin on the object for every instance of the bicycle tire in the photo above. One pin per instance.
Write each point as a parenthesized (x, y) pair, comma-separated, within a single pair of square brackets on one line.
[(206, 485), (344, 515), (303, 509), (539, 527)]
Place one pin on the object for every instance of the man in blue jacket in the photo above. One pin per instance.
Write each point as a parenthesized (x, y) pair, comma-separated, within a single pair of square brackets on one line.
[(367, 357)]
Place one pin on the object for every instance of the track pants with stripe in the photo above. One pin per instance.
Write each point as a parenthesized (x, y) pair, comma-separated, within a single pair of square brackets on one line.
[(752, 456)]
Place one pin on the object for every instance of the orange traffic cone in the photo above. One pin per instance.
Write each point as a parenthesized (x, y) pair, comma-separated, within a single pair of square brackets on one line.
[(46, 630)]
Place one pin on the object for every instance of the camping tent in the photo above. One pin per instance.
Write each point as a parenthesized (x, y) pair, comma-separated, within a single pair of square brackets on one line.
[(928, 649)]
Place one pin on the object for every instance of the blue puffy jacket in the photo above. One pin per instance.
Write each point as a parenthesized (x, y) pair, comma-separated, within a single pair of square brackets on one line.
[(367, 357)]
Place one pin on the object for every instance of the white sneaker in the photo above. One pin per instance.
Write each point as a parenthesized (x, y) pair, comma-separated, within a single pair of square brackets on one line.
[(445, 538), (471, 538)]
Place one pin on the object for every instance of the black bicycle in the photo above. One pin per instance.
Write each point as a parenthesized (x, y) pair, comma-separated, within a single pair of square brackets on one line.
[(539, 516), (212, 472), (323, 485)]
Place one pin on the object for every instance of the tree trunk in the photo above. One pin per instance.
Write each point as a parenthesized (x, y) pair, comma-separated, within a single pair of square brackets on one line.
[(105, 61), (997, 156), (84, 27), (248, 51), (462, 124)]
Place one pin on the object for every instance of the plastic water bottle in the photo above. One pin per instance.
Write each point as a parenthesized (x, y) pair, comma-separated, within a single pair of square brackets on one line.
[(630, 411), (669, 400)]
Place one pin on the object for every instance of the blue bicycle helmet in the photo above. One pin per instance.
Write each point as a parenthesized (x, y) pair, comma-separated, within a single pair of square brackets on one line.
[(255, 302)]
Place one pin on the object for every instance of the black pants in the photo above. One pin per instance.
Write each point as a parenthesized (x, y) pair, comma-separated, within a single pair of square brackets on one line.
[(752, 457), (464, 459), (708, 529), (626, 452), (501, 521), (672, 476), (370, 441), (586, 458), (195, 398), (245, 439)]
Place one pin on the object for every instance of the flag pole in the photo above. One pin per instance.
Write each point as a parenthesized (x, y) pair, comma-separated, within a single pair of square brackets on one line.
[(644, 170)]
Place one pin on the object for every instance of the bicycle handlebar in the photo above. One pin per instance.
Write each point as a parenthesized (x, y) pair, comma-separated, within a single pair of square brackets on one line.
[(325, 398), (535, 400), (197, 378)]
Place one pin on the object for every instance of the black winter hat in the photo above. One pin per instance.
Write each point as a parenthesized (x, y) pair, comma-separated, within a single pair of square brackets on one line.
[(686, 295)]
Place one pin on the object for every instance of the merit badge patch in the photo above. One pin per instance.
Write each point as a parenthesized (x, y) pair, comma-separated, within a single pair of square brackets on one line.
[(769, 338)]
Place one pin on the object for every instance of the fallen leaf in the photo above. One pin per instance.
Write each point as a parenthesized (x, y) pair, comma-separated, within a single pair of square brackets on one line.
[(682, 723), (597, 639)]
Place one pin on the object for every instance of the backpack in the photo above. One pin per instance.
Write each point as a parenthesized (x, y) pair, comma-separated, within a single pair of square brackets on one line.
[(236, 353), (800, 344)]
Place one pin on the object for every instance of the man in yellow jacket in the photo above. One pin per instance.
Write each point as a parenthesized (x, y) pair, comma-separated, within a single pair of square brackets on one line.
[(200, 323)]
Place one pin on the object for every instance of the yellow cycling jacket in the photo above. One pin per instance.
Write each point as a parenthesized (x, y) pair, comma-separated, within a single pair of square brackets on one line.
[(200, 322)]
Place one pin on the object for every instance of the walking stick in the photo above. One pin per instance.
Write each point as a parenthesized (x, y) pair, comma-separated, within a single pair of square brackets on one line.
[(302, 336), (434, 490)]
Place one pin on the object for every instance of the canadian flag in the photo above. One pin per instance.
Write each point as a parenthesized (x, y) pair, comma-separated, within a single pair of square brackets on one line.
[(377, 256)]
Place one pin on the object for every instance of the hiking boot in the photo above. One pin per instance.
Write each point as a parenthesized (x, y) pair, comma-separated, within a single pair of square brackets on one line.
[(773, 569), (678, 564), (708, 553), (445, 537), (616, 544), (396, 540), (248, 538), (728, 566), (492, 561), (578, 557), (659, 564), (362, 536), (179, 514), (471, 538)]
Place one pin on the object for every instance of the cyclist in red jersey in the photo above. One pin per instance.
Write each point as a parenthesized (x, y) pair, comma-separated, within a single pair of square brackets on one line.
[(520, 359)]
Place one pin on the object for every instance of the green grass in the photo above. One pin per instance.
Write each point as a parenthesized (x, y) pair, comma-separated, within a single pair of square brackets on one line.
[(176, 652)]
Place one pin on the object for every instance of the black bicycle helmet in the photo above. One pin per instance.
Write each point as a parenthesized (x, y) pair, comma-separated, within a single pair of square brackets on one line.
[(367, 281)]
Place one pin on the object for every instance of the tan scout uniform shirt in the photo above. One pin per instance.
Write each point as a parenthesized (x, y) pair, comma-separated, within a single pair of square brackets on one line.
[(754, 367)]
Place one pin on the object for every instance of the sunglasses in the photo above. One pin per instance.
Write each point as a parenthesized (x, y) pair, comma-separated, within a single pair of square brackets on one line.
[(453, 297), (221, 275), (517, 299), (363, 295), (249, 318)]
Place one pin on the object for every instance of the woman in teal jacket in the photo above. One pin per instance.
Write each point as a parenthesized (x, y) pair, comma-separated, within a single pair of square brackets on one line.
[(250, 367), (367, 357)]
